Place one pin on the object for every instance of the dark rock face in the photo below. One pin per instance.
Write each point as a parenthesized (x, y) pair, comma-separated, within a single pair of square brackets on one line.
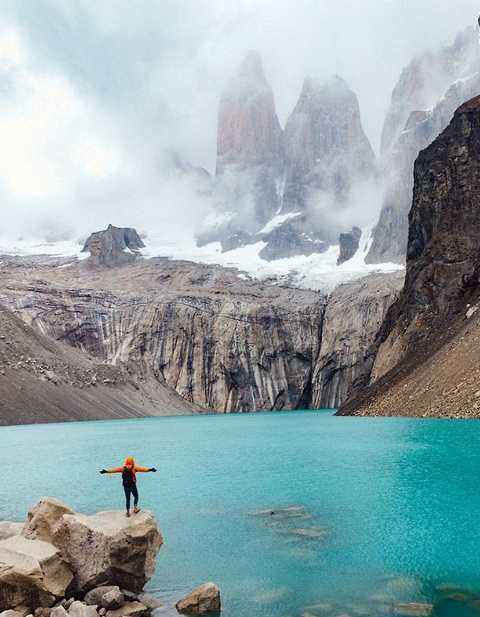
[(113, 246), (349, 243), (443, 257), (423, 101), (291, 239)]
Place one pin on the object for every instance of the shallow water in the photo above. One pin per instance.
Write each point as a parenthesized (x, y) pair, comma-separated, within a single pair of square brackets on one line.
[(390, 508)]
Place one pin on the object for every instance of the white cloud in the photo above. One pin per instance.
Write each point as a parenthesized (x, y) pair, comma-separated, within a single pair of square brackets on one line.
[(92, 93)]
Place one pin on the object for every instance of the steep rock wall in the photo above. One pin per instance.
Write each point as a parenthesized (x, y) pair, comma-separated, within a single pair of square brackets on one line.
[(424, 332), (353, 315)]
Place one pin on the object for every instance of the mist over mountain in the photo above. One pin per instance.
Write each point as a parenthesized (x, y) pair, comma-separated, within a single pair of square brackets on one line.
[(95, 98)]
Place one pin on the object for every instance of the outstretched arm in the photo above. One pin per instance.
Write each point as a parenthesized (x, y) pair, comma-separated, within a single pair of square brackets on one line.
[(144, 469), (112, 470)]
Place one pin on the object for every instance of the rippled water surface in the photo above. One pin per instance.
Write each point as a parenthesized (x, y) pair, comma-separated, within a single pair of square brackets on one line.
[(387, 510)]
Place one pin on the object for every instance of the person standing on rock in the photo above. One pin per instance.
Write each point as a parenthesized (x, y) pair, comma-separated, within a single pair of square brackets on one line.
[(129, 480)]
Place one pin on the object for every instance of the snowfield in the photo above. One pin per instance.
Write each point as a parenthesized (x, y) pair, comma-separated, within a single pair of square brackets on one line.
[(318, 271)]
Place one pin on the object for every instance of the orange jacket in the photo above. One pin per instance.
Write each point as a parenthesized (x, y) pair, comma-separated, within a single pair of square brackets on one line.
[(130, 464)]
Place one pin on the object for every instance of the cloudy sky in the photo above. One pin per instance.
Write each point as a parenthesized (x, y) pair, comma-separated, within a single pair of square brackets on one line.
[(92, 93)]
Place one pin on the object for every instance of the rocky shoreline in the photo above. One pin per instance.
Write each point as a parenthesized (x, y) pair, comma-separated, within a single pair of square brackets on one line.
[(62, 563)]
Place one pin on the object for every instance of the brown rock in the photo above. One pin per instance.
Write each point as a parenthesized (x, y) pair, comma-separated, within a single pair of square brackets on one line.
[(203, 599)]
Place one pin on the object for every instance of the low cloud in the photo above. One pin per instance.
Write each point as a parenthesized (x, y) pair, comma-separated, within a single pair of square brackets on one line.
[(93, 94)]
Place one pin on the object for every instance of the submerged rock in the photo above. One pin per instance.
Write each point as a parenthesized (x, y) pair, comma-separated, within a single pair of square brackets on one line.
[(413, 609), (283, 513), (307, 533), (203, 599), (32, 573)]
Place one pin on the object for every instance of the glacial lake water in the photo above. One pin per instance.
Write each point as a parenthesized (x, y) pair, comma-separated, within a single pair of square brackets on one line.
[(388, 510)]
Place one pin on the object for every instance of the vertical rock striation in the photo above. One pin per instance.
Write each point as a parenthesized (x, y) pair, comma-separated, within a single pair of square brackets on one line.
[(353, 315)]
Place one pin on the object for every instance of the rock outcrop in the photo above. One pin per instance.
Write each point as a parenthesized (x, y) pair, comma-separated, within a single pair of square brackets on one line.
[(161, 336), (263, 172), (353, 316), (62, 553), (325, 145), (326, 154), (349, 242), (43, 379), (125, 549), (423, 101), (219, 341), (203, 599), (249, 158), (113, 246), (426, 327)]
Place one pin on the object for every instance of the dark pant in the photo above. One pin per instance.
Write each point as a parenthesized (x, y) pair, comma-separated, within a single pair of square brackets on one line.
[(130, 489)]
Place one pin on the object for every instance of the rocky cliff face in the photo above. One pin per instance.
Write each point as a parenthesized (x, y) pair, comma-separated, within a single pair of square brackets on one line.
[(325, 145), (203, 334), (46, 380), (423, 101), (248, 132), (249, 157), (443, 270), (353, 315), (228, 344)]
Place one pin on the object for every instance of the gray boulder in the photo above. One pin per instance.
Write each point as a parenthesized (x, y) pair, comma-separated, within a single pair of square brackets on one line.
[(124, 550), (95, 596), (113, 246)]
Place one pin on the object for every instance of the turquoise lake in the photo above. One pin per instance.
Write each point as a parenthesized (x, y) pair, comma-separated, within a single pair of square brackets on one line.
[(387, 510)]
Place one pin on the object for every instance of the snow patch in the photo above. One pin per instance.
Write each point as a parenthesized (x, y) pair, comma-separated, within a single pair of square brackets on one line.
[(318, 271), (278, 220)]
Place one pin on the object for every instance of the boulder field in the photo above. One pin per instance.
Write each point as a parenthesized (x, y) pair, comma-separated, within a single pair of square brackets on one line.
[(62, 563)]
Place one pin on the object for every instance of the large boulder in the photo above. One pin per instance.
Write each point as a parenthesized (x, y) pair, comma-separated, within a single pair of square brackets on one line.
[(108, 548), (113, 246), (9, 529), (44, 519), (203, 599), (32, 573)]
